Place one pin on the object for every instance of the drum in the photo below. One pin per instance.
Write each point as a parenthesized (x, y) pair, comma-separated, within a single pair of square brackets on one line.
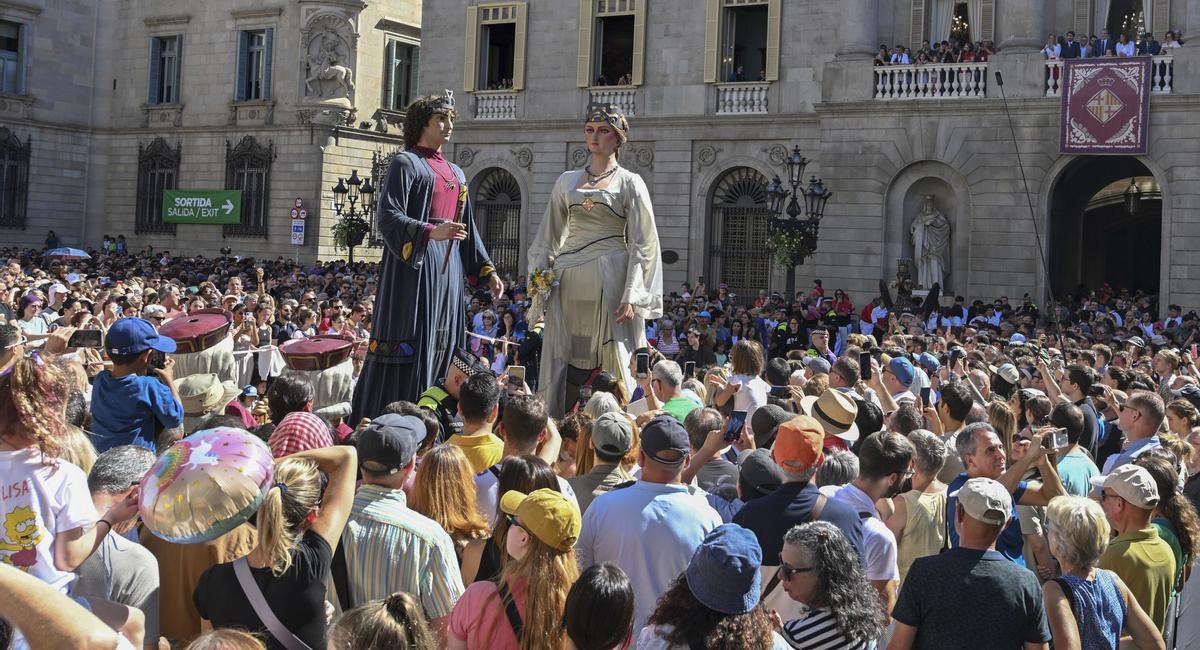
[(198, 331), (316, 352)]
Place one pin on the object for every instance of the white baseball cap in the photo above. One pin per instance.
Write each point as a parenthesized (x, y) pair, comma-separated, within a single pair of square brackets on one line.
[(985, 500)]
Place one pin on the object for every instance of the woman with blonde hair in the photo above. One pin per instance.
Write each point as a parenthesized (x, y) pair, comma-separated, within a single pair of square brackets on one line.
[(298, 532), (524, 608), (746, 386), (1182, 418), (1004, 421), (394, 623), (1089, 607), (444, 491)]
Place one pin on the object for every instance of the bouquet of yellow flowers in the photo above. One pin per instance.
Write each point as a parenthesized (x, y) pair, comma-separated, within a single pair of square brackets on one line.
[(541, 284)]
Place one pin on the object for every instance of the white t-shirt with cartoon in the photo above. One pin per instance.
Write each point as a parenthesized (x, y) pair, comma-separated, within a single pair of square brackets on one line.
[(38, 501)]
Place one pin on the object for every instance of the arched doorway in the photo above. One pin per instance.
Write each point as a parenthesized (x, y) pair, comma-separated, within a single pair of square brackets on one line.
[(498, 217), (1105, 227), (737, 233)]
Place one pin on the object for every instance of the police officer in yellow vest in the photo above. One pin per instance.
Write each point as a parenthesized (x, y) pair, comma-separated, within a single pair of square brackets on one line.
[(442, 398)]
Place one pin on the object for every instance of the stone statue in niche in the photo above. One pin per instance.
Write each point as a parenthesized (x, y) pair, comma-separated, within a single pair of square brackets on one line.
[(930, 232), (326, 77)]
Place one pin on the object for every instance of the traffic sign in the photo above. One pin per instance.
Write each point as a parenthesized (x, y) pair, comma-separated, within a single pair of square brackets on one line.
[(202, 206), (295, 213), (298, 232), (303, 213)]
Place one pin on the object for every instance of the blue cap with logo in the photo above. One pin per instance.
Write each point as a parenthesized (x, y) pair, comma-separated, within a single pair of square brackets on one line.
[(903, 369), (135, 336)]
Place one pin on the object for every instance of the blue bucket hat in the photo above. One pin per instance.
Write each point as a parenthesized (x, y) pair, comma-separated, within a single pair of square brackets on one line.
[(724, 571)]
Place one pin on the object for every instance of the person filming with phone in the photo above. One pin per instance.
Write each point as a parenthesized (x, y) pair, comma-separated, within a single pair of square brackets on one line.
[(137, 398)]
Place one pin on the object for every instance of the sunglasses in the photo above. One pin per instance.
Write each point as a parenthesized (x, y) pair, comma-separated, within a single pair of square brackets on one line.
[(512, 521), (788, 571)]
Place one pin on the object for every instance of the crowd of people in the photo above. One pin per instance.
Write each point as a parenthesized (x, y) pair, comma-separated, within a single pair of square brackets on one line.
[(1068, 47), (786, 472), (951, 50)]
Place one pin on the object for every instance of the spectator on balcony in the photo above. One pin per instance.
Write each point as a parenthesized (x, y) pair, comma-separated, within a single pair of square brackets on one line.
[(982, 52), (1103, 44), (925, 49), (739, 74), (1149, 46), (1172, 42), (762, 75), (883, 58), (899, 56), (1125, 47), (968, 53), (1052, 50), (1070, 49)]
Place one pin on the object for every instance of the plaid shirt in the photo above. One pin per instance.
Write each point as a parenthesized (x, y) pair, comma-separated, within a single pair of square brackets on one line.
[(299, 431)]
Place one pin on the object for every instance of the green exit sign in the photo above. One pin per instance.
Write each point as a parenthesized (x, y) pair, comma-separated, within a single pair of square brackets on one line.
[(202, 206)]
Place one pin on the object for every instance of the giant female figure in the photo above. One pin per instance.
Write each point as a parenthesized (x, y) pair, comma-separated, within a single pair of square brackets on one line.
[(599, 239)]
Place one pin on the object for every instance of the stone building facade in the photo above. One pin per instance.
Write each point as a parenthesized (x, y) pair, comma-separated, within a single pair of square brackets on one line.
[(707, 137), (115, 101)]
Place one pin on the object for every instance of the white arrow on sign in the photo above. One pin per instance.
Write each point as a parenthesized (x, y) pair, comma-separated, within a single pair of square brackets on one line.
[(228, 206)]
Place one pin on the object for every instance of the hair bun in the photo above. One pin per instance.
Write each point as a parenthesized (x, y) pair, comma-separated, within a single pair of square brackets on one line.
[(395, 606)]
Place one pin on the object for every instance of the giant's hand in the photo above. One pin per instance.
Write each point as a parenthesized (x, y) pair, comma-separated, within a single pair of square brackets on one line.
[(449, 230), (496, 285), (624, 312)]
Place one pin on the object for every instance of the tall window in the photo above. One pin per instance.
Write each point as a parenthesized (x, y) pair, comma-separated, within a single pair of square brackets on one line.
[(248, 168), (495, 42), (158, 170), (12, 76), (737, 235), (380, 162), (254, 64), (498, 217), (14, 179), (165, 53), (612, 42), (741, 40), (400, 76)]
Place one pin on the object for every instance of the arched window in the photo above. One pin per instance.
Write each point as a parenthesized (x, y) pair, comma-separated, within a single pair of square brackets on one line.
[(248, 168), (14, 179), (498, 217), (158, 170), (737, 235)]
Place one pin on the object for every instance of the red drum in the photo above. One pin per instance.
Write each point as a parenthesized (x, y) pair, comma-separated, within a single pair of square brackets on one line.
[(316, 352), (197, 331)]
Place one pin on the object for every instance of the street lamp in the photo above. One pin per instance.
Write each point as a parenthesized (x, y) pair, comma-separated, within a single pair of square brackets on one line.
[(352, 204), (794, 227)]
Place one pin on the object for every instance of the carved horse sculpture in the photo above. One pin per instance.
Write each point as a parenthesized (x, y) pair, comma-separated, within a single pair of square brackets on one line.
[(339, 73)]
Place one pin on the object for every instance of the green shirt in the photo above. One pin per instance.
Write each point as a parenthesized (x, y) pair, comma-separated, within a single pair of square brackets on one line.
[(1147, 565), (1167, 534), (679, 407)]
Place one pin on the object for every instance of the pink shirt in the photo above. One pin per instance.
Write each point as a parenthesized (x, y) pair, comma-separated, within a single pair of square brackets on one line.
[(479, 619), (444, 204)]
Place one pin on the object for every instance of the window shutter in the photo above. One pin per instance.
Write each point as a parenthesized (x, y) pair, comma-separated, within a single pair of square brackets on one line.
[(268, 63), (987, 21), (243, 66), (389, 74), (414, 71), (1081, 17), (583, 75), (774, 25), (712, 24), (178, 69), (1161, 18), (23, 46), (156, 71), (916, 24), (639, 41), (472, 55), (518, 80)]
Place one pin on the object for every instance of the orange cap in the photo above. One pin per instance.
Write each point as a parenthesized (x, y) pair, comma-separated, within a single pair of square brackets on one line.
[(798, 444)]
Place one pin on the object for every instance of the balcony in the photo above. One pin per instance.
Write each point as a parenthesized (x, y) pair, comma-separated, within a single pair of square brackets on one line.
[(742, 98), (496, 105), (931, 81), (1162, 70), (624, 97)]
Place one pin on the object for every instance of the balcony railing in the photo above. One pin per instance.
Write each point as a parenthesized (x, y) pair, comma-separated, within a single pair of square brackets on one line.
[(496, 105), (625, 97), (1162, 70), (741, 98), (931, 81)]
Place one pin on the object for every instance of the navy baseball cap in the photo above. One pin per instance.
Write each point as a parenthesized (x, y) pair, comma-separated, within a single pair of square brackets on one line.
[(135, 336), (390, 441)]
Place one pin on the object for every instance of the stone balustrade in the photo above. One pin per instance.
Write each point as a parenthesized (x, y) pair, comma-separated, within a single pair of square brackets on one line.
[(496, 105), (1162, 71), (931, 81), (742, 98), (625, 97)]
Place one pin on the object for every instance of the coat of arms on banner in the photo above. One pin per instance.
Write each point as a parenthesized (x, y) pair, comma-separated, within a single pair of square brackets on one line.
[(1105, 106)]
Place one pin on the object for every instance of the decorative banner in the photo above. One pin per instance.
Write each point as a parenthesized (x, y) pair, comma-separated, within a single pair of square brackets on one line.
[(1105, 106), (202, 206)]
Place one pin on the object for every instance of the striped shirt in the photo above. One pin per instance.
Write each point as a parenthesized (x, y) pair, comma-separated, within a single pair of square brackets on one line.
[(819, 631), (390, 548)]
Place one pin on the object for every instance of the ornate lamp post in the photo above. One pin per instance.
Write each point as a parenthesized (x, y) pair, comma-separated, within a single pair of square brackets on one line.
[(352, 204), (794, 227)]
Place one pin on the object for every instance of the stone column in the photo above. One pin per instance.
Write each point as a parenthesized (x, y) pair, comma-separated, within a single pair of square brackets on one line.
[(1020, 25), (859, 29)]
